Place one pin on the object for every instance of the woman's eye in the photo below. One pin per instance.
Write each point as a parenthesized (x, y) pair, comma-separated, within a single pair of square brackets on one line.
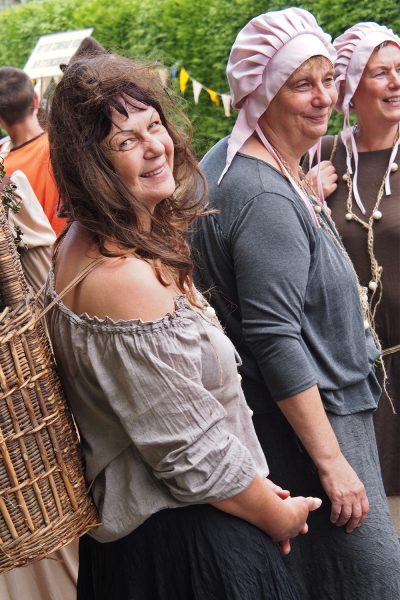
[(126, 144), (154, 124), (380, 74)]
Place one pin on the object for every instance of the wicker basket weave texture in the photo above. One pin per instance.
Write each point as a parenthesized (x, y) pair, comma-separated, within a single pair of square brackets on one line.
[(43, 499)]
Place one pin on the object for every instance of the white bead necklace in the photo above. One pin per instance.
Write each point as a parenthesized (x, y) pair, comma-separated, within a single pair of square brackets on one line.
[(375, 283)]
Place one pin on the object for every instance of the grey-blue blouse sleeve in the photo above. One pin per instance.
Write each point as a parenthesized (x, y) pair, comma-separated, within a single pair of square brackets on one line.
[(271, 248), (153, 381)]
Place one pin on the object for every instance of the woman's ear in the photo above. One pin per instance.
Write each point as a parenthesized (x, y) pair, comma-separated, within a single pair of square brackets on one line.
[(36, 101)]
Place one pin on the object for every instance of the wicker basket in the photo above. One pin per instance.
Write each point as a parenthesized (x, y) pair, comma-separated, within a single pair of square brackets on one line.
[(44, 504)]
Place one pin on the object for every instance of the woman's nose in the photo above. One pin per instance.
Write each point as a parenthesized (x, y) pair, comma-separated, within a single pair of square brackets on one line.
[(153, 146), (324, 96), (394, 81)]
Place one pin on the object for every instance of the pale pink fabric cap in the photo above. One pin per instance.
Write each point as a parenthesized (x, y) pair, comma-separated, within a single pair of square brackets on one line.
[(354, 48), (265, 53)]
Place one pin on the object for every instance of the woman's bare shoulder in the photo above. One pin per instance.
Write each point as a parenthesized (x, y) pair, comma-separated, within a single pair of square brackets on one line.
[(124, 289)]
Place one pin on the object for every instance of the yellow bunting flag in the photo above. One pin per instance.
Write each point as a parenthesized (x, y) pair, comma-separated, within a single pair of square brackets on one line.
[(183, 79), (214, 97)]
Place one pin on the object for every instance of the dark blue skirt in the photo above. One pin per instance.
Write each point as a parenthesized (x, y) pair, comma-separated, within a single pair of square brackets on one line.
[(192, 553), (328, 563)]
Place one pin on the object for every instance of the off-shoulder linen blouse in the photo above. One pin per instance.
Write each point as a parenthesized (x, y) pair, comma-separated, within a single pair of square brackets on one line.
[(160, 411)]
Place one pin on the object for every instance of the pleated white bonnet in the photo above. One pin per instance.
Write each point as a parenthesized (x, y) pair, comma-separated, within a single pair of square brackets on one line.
[(264, 55)]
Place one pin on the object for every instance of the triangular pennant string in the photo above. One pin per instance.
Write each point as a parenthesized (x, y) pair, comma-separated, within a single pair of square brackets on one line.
[(215, 97)]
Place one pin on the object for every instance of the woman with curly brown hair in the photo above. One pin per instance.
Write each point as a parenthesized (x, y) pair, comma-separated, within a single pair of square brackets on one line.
[(150, 376)]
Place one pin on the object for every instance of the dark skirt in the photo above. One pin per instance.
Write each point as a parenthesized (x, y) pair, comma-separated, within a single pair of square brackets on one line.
[(192, 553), (328, 563)]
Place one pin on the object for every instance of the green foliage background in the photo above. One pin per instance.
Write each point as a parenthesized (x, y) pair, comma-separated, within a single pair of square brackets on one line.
[(195, 34)]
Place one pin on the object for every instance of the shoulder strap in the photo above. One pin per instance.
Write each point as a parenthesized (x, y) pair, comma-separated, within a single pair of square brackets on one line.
[(79, 277)]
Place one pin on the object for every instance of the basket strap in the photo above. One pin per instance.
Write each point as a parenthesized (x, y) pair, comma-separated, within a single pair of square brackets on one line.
[(81, 275)]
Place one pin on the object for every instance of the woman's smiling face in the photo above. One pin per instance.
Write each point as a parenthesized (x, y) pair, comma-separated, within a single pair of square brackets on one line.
[(142, 153), (377, 97), (300, 111)]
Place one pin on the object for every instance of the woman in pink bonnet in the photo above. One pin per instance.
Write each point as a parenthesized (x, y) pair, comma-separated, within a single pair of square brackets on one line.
[(362, 179), (286, 292)]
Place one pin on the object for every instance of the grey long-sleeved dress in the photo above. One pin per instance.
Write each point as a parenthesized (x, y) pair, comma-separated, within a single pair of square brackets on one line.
[(289, 300)]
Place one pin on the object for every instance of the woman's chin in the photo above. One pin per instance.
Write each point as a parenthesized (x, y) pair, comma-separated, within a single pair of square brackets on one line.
[(317, 130)]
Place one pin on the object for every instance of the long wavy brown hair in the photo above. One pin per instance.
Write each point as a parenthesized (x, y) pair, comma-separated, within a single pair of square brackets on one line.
[(91, 191)]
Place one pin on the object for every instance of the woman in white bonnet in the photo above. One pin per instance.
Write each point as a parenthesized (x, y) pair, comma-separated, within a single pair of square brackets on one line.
[(287, 294), (364, 161)]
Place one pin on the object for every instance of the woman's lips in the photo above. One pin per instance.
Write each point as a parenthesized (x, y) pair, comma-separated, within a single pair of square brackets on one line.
[(155, 172), (392, 100), (317, 118)]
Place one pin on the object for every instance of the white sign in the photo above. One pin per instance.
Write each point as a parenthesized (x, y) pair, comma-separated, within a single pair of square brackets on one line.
[(54, 50)]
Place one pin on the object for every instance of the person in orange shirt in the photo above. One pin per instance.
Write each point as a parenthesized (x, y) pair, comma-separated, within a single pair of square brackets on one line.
[(27, 149)]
